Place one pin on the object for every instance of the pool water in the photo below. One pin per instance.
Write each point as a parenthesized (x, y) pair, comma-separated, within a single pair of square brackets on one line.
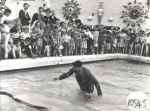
[(117, 79)]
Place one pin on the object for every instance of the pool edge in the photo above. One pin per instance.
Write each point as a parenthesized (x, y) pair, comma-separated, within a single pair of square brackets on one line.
[(28, 63)]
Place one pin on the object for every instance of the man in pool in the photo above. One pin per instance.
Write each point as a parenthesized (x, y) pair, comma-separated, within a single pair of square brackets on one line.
[(84, 78)]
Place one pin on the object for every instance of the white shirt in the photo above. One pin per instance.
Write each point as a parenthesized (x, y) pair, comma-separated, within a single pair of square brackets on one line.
[(89, 34), (5, 18), (66, 38), (148, 40)]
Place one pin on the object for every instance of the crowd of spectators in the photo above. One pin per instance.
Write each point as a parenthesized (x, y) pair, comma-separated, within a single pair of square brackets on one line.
[(46, 35)]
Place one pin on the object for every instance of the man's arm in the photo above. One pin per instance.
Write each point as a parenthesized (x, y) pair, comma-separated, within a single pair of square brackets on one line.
[(99, 91), (65, 75), (97, 85)]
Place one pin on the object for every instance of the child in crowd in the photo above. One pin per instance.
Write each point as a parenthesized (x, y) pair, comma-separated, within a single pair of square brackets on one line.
[(60, 42), (84, 45), (114, 45), (26, 42), (95, 39), (10, 49), (37, 36), (66, 40), (103, 47), (77, 38), (26, 46), (55, 47), (17, 52), (148, 45), (138, 45), (90, 41), (47, 41), (107, 46), (121, 45), (72, 46), (131, 42), (16, 43)]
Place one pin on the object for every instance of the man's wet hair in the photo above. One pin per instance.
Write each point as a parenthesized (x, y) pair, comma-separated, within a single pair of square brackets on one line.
[(77, 64)]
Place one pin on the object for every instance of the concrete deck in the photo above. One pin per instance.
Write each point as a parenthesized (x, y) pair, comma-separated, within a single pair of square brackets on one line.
[(16, 64)]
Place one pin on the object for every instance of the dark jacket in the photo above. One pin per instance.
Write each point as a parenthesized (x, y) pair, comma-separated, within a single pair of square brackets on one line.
[(50, 20), (37, 16), (24, 18), (85, 80)]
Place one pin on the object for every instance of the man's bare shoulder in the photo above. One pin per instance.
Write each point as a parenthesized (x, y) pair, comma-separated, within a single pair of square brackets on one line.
[(87, 70)]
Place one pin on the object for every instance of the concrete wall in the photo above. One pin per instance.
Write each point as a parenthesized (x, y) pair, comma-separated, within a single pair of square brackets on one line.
[(16, 64), (112, 8)]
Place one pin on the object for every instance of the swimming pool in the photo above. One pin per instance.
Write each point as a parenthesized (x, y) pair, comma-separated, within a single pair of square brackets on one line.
[(117, 78)]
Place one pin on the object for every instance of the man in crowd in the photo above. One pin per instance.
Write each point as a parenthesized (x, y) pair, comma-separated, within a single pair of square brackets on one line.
[(24, 15), (5, 29)]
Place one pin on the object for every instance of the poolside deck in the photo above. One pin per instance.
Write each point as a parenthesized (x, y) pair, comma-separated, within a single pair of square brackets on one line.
[(26, 63)]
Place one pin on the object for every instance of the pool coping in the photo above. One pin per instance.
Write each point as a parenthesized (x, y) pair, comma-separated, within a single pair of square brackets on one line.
[(28, 63)]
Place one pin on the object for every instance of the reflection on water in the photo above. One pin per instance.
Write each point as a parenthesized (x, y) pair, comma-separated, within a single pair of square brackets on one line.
[(117, 78), (7, 104)]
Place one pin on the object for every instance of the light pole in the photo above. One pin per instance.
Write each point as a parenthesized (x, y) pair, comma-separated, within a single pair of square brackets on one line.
[(100, 12), (148, 5), (135, 1)]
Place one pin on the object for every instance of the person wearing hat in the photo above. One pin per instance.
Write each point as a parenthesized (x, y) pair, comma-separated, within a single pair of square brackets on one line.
[(84, 78)]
